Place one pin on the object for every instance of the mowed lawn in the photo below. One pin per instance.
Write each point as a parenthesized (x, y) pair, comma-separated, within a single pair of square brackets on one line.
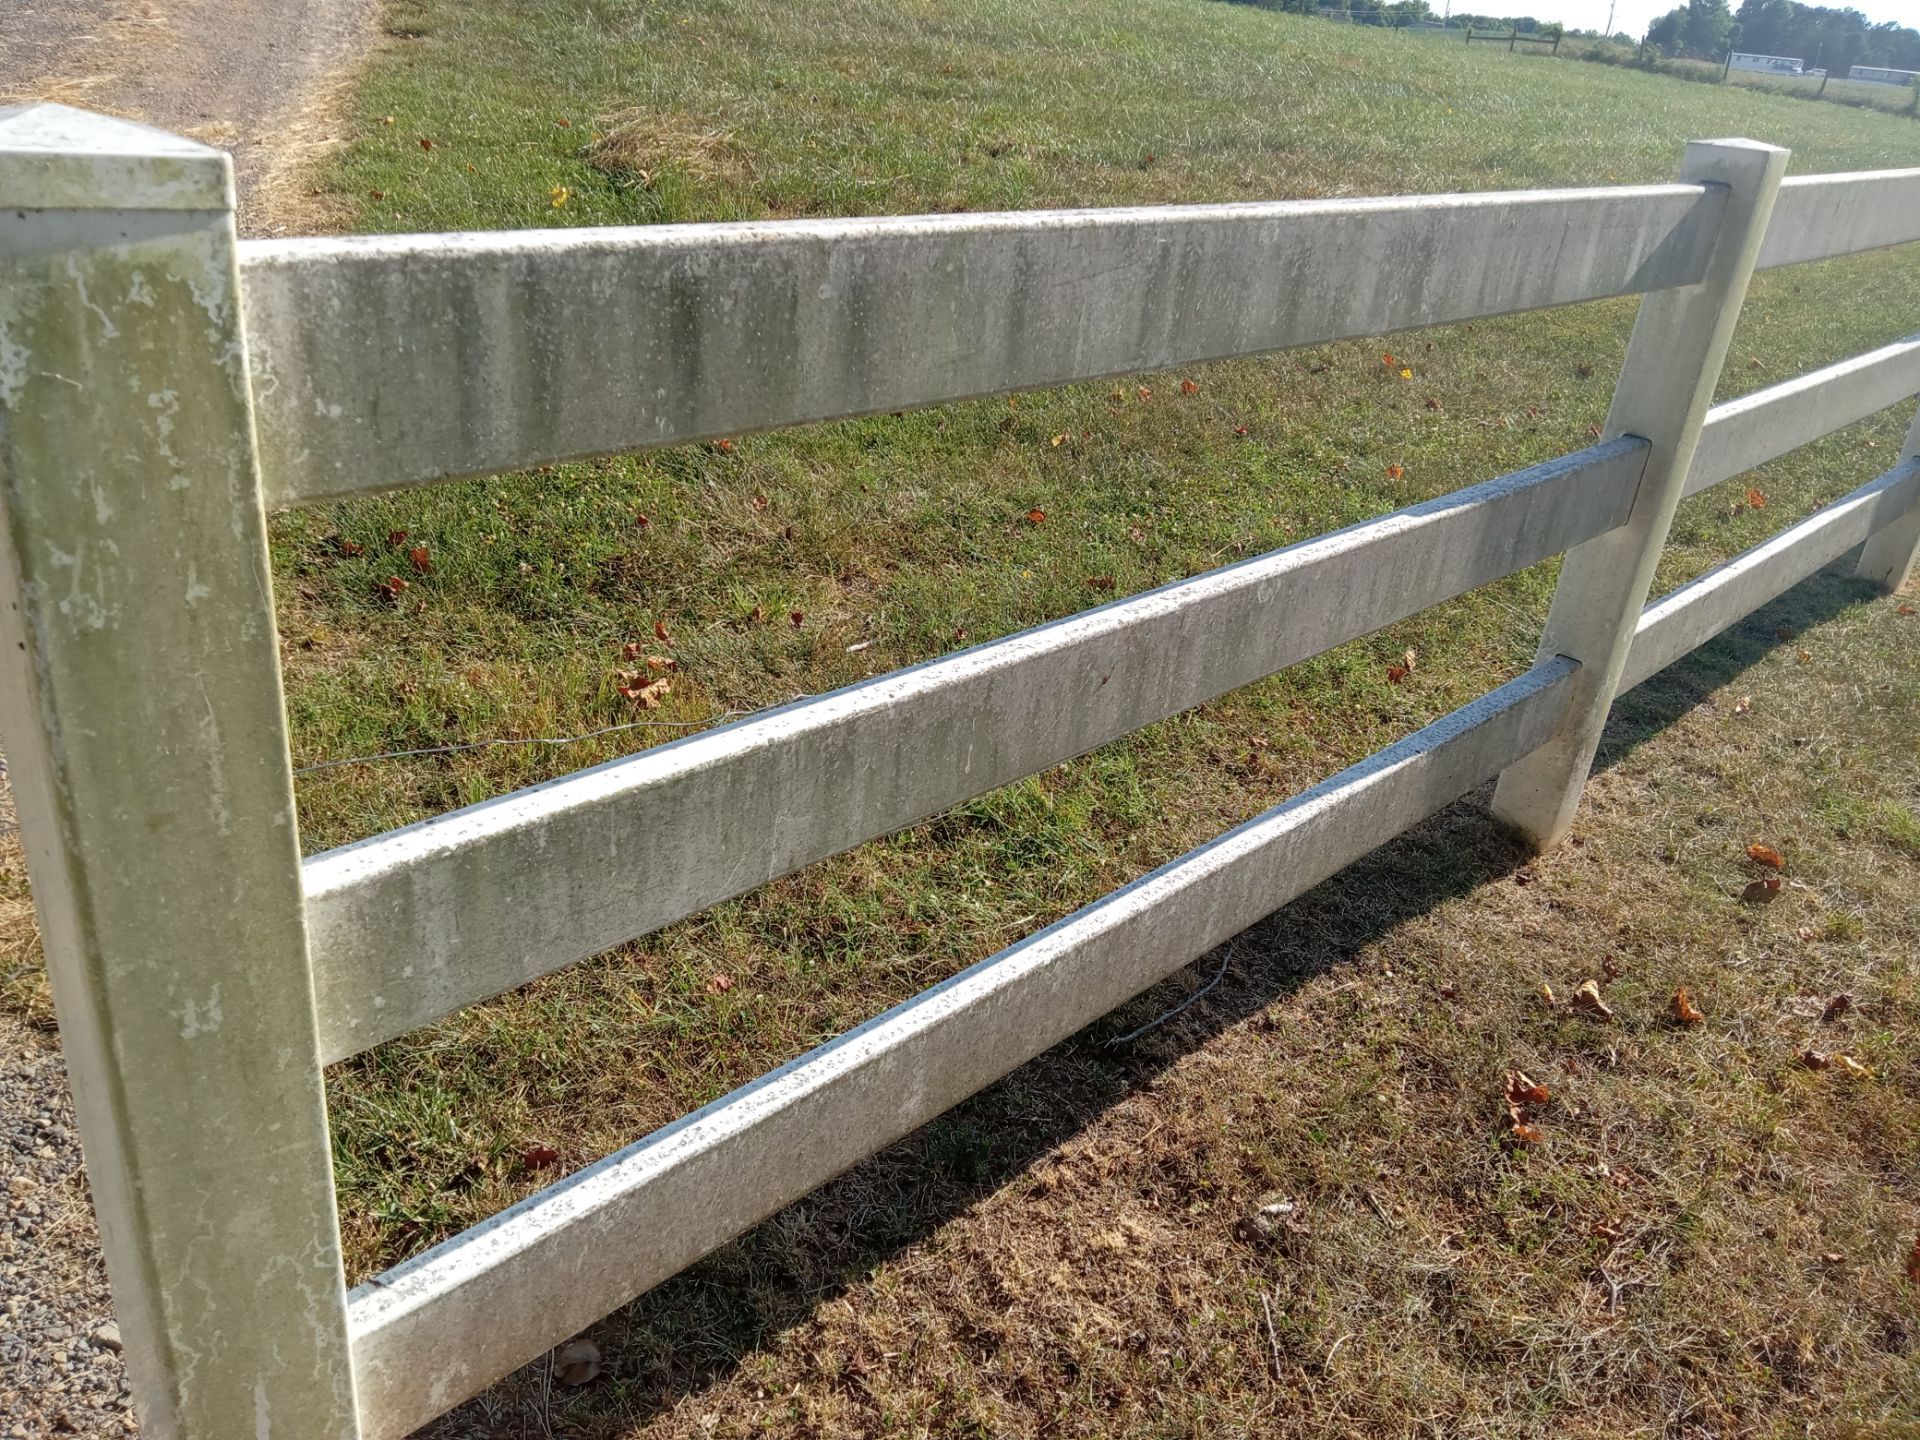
[(1711, 1238)]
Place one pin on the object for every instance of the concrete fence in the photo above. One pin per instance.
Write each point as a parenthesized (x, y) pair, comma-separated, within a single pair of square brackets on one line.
[(164, 385)]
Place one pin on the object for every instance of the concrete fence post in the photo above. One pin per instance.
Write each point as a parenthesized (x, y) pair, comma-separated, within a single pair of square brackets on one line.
[(140, 707), (1888, 558), (1666, 385)]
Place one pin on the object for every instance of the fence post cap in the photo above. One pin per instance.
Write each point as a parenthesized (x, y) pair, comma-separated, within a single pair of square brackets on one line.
[(54, 157), (1736, 142)]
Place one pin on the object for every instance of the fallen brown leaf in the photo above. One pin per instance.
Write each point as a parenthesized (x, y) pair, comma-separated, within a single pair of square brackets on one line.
[(1587, 997), (1683, 1009), (1523, 1089), (1765, 855), (1763, 891)]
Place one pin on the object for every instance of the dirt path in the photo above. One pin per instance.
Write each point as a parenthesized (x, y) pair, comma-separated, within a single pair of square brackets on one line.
[(261, 79), (255, 77)]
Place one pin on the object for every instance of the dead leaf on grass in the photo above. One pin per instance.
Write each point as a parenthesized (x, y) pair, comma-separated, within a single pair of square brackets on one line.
[(1766, 855), (1683, 1009), (635, 686), (1587, 997), (1523, 1089), (1836, 1007), (1763, 891), (1524, 1095)]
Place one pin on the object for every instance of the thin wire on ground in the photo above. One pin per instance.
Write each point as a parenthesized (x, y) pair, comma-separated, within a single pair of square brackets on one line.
[(1164, 1016)]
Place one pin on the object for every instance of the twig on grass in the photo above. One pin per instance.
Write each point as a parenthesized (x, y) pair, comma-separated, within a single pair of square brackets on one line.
[(1273, 1340)]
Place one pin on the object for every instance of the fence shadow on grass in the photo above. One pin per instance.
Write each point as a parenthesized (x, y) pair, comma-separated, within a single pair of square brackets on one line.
[(698, 1327)]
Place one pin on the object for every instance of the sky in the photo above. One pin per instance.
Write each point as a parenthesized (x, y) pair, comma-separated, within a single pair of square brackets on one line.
[(1633, 16)]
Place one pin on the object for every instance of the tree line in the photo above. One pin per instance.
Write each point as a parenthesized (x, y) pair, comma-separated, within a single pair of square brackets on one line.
[(1834, 39)]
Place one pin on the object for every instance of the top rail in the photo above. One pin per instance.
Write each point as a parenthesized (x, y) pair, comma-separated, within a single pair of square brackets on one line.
[(381, 362), (1818, 217)]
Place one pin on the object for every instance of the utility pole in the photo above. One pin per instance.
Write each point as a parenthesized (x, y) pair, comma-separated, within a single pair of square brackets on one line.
[(1610, 9)]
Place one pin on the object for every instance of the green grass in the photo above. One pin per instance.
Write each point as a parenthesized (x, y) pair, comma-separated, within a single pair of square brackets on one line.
[(910, 535)]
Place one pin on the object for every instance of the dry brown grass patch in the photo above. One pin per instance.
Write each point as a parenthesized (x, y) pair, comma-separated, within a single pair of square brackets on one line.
[(639, 146)]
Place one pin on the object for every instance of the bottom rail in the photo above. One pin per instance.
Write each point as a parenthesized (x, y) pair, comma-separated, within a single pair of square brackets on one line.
[(1674, 625), (441, 1327)]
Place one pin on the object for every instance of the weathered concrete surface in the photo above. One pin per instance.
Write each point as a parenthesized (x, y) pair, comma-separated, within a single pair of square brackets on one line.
[(387, 361), (416, 923), (140, 704), (1673, 362), (1673, 627), (1891, 555), (564, 1258), (1740, 434), (1817, 216)]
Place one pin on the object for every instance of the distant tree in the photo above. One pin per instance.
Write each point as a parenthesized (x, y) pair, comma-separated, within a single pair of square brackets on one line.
[(1816, 34), (1709, 25), (1669, 32)]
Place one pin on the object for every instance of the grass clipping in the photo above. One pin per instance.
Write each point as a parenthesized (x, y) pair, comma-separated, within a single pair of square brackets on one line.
[(638, 146)]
